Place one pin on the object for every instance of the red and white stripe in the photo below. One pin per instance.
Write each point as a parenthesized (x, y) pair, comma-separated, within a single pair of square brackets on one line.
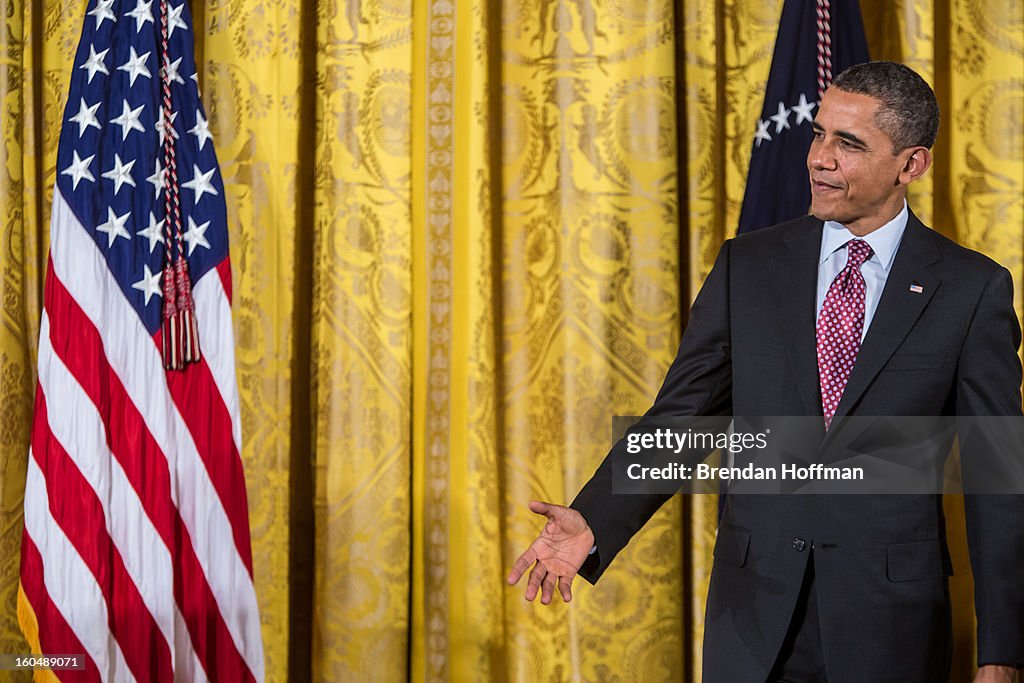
[(137, 536), (824, 40)]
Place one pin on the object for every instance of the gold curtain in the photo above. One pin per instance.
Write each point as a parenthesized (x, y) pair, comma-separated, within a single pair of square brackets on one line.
[(463, 236)]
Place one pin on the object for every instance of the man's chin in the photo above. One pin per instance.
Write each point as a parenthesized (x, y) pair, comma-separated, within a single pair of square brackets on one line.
[(824, 213)]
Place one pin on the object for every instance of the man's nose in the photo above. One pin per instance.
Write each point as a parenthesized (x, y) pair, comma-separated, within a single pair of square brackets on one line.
[(821, 156)]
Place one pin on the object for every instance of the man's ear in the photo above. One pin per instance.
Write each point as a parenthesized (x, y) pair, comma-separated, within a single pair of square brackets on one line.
[(915, 165)]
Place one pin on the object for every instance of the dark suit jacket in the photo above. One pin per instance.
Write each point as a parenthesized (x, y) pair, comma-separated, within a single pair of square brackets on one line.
[(881, 562)]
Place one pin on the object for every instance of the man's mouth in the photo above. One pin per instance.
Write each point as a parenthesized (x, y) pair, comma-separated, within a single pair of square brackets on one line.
[(820, 186)]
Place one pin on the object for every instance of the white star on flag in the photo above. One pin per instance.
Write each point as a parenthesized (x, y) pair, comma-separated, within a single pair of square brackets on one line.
[(201, 130), (762, 133), (154, 233), (781, 118), (129, 119), (142, 13), (200, 183), (172, 71), (162, 127), (136, 65), (79, 169), (157, 179), (196, 235), (102, 12), (175, 20), (95, 63), (114, 227), (120, 174), (86, 117), (803, 110), (149, 284)]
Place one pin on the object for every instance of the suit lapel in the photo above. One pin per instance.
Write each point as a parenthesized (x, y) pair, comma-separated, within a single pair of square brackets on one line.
[(796, 308), (908, 289)]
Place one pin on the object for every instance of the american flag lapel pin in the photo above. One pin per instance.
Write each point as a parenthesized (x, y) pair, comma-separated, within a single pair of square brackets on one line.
[(916, 288)]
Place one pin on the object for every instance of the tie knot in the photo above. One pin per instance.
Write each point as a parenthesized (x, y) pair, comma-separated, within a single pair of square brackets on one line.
[(858, 251)]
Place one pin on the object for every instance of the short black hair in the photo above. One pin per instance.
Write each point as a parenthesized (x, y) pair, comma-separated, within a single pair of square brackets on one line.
[(908, 112)]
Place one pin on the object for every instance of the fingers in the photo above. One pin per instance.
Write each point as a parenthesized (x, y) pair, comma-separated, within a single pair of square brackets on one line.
[(521, 565), (547, 588), (542, 508), (543, 581), (565, 588), (537, 576)]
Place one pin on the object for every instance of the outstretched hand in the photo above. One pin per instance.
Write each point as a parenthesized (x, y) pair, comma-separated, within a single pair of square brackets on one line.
[(557, 553)]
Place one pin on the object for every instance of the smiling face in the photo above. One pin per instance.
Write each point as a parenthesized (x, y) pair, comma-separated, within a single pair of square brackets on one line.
[(856, 178)]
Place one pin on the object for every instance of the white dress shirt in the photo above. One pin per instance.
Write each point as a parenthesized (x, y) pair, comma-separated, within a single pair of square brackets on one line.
[(884, 242)]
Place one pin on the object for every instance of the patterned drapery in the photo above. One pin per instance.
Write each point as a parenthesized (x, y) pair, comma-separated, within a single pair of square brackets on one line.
[(464, 235)]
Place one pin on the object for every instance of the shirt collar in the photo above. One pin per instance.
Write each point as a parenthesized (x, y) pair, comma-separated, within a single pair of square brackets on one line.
[(884, 241)]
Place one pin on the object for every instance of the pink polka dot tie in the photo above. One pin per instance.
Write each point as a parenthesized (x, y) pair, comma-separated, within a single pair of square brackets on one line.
[(839, 328)]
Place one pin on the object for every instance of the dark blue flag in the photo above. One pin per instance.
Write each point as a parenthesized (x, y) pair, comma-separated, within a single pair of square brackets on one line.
[(817, 40)]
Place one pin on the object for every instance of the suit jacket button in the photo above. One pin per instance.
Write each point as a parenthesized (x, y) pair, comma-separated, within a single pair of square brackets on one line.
[(799, 544)]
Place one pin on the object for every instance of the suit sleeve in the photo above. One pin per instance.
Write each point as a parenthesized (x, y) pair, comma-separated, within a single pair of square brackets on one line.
[(698, 383), (988, 384)]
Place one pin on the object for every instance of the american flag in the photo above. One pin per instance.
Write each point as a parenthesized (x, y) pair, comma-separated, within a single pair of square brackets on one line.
[(816, 41), (136, 551)]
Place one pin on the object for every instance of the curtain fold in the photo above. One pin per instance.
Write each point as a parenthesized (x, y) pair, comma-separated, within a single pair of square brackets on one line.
[(590, 291), (464, 236), (360, 347)]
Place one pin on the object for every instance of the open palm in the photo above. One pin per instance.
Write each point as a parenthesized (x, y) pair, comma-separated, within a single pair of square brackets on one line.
[(557, 553)]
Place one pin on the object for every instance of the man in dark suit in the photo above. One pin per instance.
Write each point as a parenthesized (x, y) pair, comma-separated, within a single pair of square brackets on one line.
[(855, 310)]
